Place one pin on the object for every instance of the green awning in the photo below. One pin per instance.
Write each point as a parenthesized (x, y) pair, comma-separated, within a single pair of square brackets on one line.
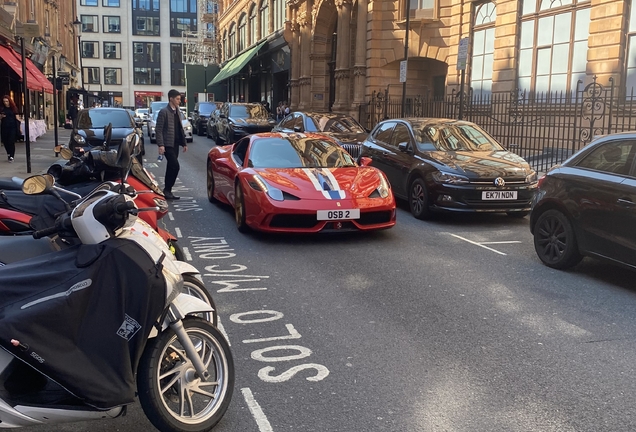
[(235, 65)]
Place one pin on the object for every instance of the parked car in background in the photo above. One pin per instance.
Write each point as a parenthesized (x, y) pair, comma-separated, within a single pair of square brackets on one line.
[(450, 165), (237, 120), (152, 124), (214, 117), (91, 122), (142, 114), (280, 182), (156, 106), (587, 205), (200, 116), (347, 132)]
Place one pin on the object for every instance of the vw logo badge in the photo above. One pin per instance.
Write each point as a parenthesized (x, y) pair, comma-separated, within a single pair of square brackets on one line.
[(499, 182)]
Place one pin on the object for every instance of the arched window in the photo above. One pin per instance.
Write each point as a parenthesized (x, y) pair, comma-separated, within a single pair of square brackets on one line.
[(483, 49), (242, 34), (279, 13), (231, 43), (225, 56), (553, 44), (263, 16), (252, 19)]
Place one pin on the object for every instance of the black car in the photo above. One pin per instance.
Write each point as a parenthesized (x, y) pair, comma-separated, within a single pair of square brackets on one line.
[(89, 131), (214, 117), (450, 165), (587, 205), (347, 132), (200, 115), (237, 120)]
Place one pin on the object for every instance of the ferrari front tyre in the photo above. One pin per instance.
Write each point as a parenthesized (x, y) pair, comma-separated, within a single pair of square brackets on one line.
[(418, 199), (194, 287), (239, 209), (171, 393), (555, 241), (210, 184)]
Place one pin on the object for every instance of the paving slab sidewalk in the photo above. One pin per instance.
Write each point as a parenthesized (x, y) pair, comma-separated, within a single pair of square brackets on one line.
[(42, 155)]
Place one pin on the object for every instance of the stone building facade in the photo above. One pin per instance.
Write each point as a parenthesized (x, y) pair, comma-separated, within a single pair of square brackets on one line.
[(344, 50)]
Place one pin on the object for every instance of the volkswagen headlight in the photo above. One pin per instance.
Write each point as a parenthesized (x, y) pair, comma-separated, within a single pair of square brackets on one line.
[(259, 184), (79, 139), (384, 187), (532, 177), (448, 178)]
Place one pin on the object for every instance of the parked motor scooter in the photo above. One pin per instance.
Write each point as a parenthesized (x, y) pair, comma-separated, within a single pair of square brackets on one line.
[(77, 326)]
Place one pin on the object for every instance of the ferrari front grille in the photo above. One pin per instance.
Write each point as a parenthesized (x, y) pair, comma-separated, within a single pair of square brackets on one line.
[(293, 221), (374, 217)]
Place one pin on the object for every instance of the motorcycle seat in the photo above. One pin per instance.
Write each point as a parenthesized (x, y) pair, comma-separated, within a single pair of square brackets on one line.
[(19, 248), (11, 183)]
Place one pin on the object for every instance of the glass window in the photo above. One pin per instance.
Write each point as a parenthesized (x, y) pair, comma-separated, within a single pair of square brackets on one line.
[(98, 119), (553, 46), (242, 36), (483, 49), (298, 153), (88, 3), (90, 49), (253, 36), (255, 111), (89, 24), (279, 13), (450, 137), (612, 157), (112, 24), (177, 76), (147, 76), (231, 44), (112, 76), (630, 76), (146, 26), (179, 25), (420, 9), (400, 134), (110, 3), (112, 50), (383, 132), (91, 75), (264, 19), (145, 5), (335, 123), (287, 123), (146, 52)]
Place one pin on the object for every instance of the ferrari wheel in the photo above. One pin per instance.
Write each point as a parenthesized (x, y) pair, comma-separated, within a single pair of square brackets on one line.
[(210, 184), (239, 209), (418, 199)]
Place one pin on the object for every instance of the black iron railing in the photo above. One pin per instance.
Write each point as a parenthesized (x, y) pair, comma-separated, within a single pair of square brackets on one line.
[(543, 128)]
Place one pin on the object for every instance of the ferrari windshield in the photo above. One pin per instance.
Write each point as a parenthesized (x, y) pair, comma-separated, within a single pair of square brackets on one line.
[(100, 118), (307, 152), (453, 137), (334, 123), (254, 111)]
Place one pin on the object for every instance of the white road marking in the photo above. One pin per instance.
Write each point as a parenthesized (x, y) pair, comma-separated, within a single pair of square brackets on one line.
[(178, 232), (170, 216), (478, 244), (257, 412), (186, 253), (502, 242)]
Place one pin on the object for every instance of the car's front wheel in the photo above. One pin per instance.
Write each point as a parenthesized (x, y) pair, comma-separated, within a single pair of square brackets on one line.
[(554, 240), (239, 209), (418, 199), (210, 184)]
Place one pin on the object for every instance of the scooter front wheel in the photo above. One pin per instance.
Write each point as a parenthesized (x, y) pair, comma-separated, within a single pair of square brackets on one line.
[(194, 287), (171, 394)]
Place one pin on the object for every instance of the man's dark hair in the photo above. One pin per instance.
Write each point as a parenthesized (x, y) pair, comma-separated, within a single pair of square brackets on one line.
[(173, 93)]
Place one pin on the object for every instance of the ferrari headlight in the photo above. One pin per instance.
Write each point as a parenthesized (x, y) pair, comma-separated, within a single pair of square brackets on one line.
[(79, 139), (448, 178), (259, 184), (384, 187), (532, 177)]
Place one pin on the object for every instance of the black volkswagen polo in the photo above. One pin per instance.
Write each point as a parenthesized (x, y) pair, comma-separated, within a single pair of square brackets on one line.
[(450, 165)]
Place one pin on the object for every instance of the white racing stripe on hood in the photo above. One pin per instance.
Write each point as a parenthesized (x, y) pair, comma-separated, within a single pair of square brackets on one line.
[(324, 181)]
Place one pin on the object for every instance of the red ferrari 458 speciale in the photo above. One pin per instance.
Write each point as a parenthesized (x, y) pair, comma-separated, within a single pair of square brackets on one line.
[(279, 182)]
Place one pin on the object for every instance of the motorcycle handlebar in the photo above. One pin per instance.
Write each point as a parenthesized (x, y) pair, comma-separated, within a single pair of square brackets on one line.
[(45, 232), (124, 207)]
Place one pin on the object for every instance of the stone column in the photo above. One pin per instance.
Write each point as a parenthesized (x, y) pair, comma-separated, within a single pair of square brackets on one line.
[(304, 81), (295, 65), (360, 66), (341, 104)]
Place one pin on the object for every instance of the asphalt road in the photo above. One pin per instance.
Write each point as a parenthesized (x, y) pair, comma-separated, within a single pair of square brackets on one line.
[(446, 325)]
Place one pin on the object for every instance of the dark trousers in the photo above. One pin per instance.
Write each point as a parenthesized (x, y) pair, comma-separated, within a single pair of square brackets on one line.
[(9, 144), (172, 167)]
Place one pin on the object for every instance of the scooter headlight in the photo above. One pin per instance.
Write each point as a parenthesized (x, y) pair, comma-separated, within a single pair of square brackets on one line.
[(79, 139)]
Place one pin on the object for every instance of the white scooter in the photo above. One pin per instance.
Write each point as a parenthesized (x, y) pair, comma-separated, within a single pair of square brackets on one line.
[(79, 325)]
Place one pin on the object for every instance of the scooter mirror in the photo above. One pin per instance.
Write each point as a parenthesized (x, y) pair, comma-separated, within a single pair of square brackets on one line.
[(37, 184), (66, 153)]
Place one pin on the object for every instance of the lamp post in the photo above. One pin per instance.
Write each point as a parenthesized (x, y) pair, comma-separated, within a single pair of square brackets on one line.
[(77, 24), (205, 75)]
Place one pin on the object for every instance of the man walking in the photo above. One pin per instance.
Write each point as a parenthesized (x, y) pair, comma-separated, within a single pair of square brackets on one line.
[(170, 135)]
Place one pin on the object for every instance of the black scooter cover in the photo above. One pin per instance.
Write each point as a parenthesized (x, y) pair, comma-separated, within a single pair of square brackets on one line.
[(83, 316)]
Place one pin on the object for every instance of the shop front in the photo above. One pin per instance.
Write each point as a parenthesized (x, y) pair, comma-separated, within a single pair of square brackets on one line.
[(144, 98)]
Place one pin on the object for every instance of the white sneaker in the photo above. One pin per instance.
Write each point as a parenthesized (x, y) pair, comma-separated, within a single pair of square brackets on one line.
[(10, 159)]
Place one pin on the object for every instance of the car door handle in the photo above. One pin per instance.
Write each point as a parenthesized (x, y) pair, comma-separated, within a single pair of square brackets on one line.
[(626, 202)]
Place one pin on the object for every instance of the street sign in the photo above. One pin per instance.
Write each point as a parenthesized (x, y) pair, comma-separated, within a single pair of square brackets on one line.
[(403, 64), (462, 53)]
